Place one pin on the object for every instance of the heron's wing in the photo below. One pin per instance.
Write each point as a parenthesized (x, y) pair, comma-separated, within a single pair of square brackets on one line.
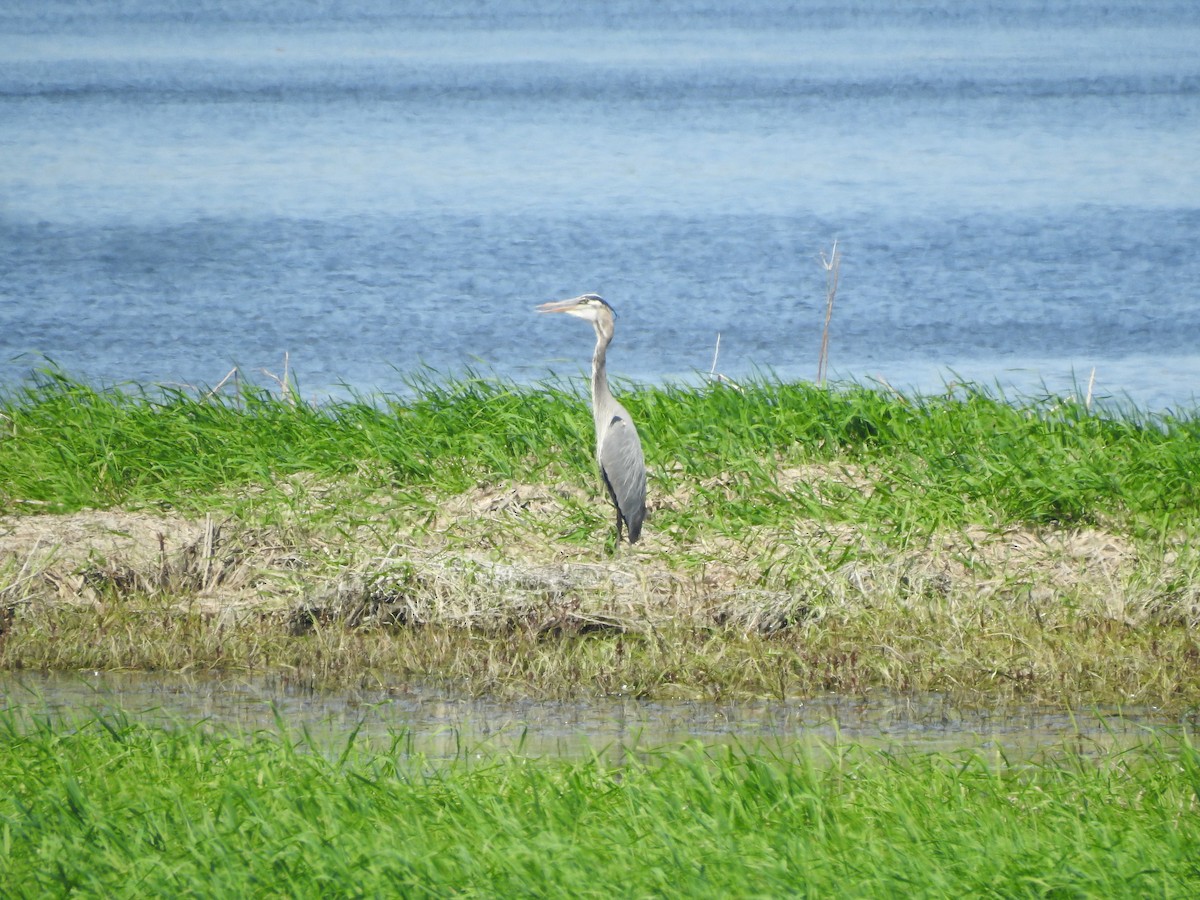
[(624, 471)]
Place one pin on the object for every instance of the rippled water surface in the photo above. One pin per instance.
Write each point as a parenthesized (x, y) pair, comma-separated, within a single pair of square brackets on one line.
[(440, 723), (374, 187)]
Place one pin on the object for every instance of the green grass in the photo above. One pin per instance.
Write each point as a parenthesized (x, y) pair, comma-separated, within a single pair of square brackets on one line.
[(964, 457), (110, 807)]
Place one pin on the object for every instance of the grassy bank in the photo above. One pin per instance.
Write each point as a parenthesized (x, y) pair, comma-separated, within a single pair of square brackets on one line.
[(113, 808), (798, 539)]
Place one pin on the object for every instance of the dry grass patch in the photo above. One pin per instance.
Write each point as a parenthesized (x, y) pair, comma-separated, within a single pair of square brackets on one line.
[(483, 560), (100, 556), (811, 606)]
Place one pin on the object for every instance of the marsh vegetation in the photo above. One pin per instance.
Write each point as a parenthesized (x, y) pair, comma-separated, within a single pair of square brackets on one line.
[(799, 538)]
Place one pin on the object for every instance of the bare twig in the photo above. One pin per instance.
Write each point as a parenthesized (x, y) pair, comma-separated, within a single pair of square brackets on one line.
[(895, 393), (832, 266), (285, 387), (220, 384), (714, 374)]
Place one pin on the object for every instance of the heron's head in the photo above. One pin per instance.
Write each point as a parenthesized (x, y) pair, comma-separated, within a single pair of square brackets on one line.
[(586, 306)]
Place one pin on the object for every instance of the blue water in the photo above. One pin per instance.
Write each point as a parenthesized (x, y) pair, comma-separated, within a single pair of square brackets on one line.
[(376, 187)]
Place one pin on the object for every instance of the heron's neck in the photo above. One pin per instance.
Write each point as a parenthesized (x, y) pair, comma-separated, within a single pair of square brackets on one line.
[(601, 396)]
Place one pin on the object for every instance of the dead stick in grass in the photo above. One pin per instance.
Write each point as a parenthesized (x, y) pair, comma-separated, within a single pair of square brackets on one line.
[(714, 374), (832, 266), (220, 384), (285, 388)]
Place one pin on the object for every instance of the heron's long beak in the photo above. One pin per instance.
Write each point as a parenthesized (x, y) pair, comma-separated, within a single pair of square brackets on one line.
[(557, 306)]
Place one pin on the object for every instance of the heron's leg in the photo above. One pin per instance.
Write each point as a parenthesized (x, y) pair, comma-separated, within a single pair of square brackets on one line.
[(612, 495)]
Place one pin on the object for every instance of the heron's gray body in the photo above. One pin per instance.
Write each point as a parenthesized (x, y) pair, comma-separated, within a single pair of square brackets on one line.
[(618, 448), (619, 451)]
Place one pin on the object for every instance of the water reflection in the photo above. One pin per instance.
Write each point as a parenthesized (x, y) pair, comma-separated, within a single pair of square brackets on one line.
[(437, 723)]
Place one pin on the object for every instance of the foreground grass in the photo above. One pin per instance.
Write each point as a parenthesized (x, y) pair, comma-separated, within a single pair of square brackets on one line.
[(109, 807), (799, 539)]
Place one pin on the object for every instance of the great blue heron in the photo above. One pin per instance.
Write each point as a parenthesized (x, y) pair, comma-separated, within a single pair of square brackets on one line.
[(618, 448)]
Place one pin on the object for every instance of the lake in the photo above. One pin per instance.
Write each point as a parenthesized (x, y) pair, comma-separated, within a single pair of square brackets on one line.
[(375, 188)]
